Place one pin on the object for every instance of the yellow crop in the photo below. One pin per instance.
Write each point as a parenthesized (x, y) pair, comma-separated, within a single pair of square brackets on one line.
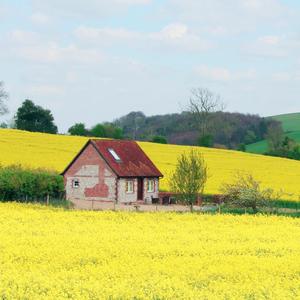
[(56, 151), (56, 254)]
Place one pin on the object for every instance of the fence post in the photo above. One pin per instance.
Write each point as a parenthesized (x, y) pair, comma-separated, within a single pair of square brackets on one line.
[(48, 199)]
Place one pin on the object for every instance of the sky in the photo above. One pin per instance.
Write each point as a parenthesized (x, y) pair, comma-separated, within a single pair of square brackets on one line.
[(92, 61)]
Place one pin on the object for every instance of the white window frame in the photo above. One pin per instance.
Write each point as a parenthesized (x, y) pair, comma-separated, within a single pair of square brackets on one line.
[(76, 184), (150, 187), (129, 186), (114, 154)]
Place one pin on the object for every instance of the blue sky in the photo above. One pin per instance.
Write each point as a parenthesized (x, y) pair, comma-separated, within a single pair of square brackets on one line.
[(93, 61)]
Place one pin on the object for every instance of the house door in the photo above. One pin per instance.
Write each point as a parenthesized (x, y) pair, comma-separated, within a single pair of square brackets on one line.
[(140, 189)]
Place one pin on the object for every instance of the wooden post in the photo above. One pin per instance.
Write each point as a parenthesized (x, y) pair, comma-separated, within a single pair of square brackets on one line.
[(48, 199)]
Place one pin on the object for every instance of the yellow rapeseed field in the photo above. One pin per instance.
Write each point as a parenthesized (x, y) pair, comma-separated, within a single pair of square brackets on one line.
[(48, 253), (56, 151)]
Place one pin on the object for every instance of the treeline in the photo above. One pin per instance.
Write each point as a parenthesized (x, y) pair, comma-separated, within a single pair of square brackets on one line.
[(105, 130), (227, 130), (20, 184)]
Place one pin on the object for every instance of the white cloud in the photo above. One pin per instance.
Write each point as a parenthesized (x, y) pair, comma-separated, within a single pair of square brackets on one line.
[(230, 16), (85, 9), (98, 34), (174, 36), (274, 46), (22, 36), (52, 52), (44, 90), (39, 18), (34, 47), (224, 74)]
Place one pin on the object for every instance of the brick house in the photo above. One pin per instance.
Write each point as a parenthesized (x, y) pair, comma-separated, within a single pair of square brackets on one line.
[(112, 170)]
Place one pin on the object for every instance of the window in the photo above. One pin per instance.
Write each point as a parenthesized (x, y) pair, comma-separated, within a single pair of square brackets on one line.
[(114, 154), (150, 186), (75, 184), (129, 186)]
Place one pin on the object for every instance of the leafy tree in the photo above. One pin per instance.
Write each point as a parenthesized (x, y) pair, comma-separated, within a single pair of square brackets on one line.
[(3, 98), (246, 192), (189, 177), (113, 131), (98, 131), (274, 137), (206, 141), (3, 125), (78, 129), (241, 147), (33, 117), (159, 139), (250, 137)]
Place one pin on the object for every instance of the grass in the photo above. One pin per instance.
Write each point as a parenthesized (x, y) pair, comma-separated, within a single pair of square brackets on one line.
[(290, 122), (291, 127)]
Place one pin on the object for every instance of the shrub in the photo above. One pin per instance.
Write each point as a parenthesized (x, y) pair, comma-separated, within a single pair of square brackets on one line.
[(17, 183), (159, 139), (246, 192)]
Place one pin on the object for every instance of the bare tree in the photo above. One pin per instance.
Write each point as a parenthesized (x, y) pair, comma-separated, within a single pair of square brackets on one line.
[(3, 98), (202, 104)]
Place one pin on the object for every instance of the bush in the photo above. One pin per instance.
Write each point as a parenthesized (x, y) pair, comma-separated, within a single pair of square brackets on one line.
[(17, 183), (246, 192), (206, 141), (159, 139)]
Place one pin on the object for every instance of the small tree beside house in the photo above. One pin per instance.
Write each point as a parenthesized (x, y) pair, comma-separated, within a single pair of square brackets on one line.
[(189, 177)]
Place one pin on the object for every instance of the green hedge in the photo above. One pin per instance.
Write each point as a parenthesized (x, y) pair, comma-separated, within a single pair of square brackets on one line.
[(18, 183)]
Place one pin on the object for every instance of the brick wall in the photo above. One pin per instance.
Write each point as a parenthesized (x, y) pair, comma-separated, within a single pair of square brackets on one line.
[(96, 180)]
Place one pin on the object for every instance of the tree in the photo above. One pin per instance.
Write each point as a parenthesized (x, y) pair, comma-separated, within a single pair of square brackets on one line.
[(98, 131), (78, 129), (274, 136), (159, 139), (112, 131), (33, 117), (3, 98), (131, 123), (189, 177), (246, 192), (202, 104)]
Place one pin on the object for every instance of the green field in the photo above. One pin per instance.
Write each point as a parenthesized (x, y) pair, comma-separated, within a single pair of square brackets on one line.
[(291, 127)]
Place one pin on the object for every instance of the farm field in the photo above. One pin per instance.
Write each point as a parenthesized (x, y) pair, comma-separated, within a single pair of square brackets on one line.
[(49, 253), (291, 127), (56, 151)]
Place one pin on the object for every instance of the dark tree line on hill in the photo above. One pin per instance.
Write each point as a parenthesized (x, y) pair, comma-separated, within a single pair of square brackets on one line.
[(228, 130)]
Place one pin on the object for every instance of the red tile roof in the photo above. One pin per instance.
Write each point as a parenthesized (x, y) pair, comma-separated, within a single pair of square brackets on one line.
[(133, 160)]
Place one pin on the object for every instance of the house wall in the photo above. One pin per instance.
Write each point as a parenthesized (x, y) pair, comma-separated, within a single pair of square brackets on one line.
[(124, 197), (96, 179), (154, 194), (132, 197)]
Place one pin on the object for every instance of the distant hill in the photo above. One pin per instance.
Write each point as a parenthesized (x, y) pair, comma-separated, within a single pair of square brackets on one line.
[(290, 125), (229, 130), (290, 122)]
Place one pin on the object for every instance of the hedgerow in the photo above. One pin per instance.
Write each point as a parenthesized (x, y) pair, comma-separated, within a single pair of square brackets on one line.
[(19, 183)]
